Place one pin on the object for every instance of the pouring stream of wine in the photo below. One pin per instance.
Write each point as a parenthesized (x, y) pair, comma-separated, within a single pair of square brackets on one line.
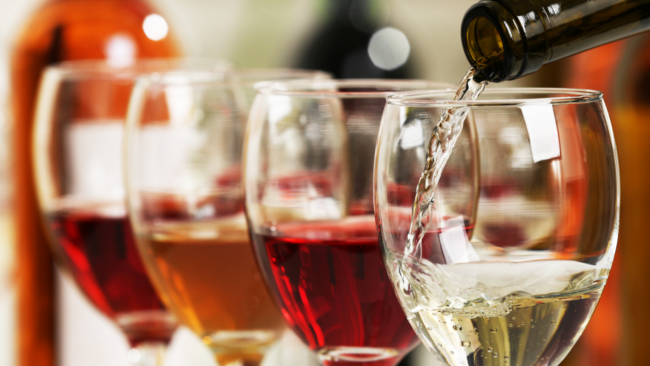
[(439, 148)]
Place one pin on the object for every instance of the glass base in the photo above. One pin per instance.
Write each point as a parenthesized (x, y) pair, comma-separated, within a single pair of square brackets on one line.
[(242, 339), (148, 354), (240, 348), (245, 347), (356, 354), (147, 326)]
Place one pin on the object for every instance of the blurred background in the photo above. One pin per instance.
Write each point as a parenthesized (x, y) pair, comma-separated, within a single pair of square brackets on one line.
[(43, 317)]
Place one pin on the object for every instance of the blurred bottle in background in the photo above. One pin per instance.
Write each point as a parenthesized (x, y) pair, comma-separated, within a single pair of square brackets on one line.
[(117, 30), (630, 110), (617, 334), (7, 246), (622, 71), (353, 42)]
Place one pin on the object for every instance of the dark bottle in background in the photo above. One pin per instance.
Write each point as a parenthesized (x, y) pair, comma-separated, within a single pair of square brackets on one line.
[(341, 44), (507, 39), (58, 30)]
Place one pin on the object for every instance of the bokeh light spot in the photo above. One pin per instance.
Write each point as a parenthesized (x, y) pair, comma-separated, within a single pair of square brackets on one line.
[(134, 355), (389, 48), (120, 51), (155, 27)]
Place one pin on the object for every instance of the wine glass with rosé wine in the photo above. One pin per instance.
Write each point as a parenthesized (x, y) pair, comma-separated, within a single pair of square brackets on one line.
[(308, 186)]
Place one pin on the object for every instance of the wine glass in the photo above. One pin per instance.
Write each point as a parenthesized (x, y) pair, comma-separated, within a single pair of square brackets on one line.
[(308, 180), (248, 78), (517, 284), (77, 158), (184, 146)]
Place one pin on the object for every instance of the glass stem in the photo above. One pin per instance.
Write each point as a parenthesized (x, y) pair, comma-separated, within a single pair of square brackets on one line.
[(238, 359), (148, 354)]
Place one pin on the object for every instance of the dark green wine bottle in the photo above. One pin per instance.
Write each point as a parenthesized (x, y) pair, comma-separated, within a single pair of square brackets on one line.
[(507, 39)]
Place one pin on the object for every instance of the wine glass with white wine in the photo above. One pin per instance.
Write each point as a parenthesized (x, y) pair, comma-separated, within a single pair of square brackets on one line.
[(516, 284)]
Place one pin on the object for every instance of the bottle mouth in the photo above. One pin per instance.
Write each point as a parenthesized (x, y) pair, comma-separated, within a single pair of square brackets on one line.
[(484, 44), (487, 46)]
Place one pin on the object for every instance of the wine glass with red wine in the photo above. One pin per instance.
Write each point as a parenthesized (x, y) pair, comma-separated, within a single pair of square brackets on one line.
[(78, 167), (308, 180)]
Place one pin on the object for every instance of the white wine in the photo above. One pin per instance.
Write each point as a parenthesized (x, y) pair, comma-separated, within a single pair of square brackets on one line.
[(527, 330), (517, 314)]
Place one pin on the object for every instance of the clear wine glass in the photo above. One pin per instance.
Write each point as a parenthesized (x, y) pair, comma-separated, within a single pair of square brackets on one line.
[(248, 78), (517, 284), (184, 146), (77, 158), (308, 181)]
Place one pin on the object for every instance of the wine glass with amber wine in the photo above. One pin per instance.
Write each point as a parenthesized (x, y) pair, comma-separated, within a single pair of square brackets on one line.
[(184, 153)]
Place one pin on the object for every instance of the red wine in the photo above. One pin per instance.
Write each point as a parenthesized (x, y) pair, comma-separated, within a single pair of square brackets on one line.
[(100, 253), (332, 287)]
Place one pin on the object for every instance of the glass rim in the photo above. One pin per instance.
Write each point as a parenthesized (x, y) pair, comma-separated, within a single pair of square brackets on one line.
[(102, 69), (223, 75), (256, 75), (305, 88), (422, 98)]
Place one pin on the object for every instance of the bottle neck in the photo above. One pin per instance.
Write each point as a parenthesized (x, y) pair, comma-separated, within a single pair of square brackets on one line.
[(498, 45)]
